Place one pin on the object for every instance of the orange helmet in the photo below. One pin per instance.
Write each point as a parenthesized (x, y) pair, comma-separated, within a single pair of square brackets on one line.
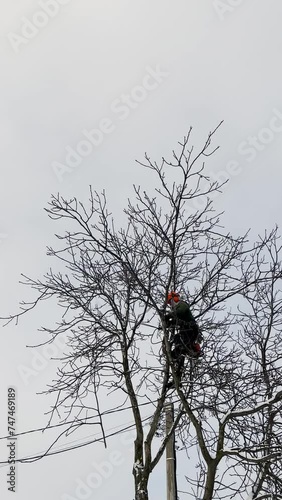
[(173, 295)]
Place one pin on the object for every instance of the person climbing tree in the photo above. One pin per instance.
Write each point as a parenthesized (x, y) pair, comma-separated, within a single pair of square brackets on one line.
[(185, 333)]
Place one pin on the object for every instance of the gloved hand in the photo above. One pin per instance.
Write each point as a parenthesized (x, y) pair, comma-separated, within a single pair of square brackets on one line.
[(168, 319)]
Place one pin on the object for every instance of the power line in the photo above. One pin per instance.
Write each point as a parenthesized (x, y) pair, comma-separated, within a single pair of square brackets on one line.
[(60, 449), (106, 412), (43, 429), (40, 455)]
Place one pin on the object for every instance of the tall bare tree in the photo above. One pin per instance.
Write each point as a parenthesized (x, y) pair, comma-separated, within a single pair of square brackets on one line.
[(112, 286)]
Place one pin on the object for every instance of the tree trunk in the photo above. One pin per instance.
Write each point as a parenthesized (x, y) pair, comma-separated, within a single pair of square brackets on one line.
[(141, 495), (208, 494), (141, 483)]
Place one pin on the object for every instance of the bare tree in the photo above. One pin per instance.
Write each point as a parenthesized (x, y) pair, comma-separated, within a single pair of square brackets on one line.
[(112, 288), (233, 397)]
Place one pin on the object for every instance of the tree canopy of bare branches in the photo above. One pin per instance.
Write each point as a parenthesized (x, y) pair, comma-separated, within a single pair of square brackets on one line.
[(111, 293)]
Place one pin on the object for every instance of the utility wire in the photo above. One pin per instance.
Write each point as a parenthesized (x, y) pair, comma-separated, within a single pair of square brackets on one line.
[(40, 455), (76, 421), (57, 450)]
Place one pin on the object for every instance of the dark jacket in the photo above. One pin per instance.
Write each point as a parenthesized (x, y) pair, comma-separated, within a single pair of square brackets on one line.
[(180, 314)]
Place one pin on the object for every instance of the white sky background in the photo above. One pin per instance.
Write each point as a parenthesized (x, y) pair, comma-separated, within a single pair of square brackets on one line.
[(220, 63)]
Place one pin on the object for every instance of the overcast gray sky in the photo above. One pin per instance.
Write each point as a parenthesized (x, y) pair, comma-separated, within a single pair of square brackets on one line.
[(86, 88)]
